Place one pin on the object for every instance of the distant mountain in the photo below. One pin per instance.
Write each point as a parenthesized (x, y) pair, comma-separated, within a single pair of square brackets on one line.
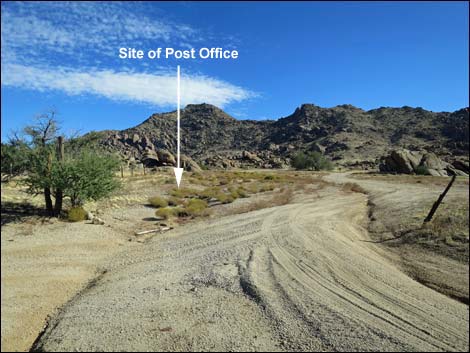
[(348, 135)]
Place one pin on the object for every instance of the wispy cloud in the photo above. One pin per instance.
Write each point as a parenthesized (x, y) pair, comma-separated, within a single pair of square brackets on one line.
[(72, 47), (85, 29), (156, 89)]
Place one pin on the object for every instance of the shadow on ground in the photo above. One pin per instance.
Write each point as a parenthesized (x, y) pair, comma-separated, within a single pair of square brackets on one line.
[(14, 212)]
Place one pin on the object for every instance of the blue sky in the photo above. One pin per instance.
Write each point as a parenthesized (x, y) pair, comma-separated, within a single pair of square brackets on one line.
[(65, 56)]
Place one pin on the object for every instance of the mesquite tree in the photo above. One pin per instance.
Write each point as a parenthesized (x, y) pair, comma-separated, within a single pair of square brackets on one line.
[(83, 173), (41, 137)]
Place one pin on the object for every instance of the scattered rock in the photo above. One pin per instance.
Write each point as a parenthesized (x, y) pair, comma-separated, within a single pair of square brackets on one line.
[(166, 158), (97, 220), (150, 159), (189, 164), (414, 162)]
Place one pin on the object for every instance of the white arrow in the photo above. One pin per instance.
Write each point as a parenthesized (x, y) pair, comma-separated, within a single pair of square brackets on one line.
[(178, 170)]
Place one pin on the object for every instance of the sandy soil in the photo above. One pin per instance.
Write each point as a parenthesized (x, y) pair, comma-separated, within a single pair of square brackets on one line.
[(302, 276), (45, 265)]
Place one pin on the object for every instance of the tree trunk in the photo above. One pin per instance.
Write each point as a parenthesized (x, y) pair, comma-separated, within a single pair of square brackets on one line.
[(48, 200), (59, 193), (47, 190)]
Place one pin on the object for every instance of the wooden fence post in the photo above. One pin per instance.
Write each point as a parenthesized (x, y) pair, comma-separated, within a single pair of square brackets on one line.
[(439, 200)]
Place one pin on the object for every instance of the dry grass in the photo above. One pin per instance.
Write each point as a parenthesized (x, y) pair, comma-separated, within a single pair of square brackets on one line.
[(446, 234), (353, 187), (411, 179), (278, 199), (213, 187)]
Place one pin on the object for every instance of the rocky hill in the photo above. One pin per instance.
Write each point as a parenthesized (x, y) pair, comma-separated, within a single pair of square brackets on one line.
[(349, 136)]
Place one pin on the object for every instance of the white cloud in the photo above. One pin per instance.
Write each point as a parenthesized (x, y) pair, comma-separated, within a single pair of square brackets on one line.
[(51, 46), (84, 30), (157, 89)]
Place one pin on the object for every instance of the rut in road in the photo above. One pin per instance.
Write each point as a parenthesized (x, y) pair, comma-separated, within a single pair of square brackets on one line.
[(298, 276)]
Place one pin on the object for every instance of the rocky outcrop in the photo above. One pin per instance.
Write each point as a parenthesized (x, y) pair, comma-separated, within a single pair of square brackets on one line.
[(349, 136), (402, 161), (189, 164), (416, 162)]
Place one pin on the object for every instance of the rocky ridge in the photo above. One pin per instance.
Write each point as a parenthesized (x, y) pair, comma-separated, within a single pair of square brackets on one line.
[(349, 136)]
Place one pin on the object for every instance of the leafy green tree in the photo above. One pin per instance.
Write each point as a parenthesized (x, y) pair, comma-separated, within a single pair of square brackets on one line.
[(15, 158), (311, 161), (40, 139), (82, 173), (86, 176)]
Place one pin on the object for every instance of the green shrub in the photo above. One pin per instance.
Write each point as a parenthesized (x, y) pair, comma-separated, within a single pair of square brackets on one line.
[(253, 188), (158, 202), (180, 212), (311, 161), (266, 187), (165, 212), (241, 192), (224, 198), (422, 170), (77, 214), (196, 207), (183, 192), (175, 201), (234, 194)]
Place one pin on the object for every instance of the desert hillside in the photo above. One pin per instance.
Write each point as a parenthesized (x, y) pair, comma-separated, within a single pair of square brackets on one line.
[(349, 136)]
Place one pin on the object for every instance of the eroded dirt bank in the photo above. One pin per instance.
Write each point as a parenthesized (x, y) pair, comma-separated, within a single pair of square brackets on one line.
[(435, 255), (300, 276)]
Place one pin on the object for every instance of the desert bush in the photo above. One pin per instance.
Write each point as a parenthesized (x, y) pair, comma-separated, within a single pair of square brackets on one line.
[(209, 193), (225, 198), (241, 192), (235, 192), (76, 214), (196, 207), (216, 193), (15, 157), (175, 201), (165, 212), (183, 192), (422, 170), (266, 187), (311, 161), (158, 202)]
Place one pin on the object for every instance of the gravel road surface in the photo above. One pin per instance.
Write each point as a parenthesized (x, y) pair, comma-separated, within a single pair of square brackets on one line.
[(295, 277)]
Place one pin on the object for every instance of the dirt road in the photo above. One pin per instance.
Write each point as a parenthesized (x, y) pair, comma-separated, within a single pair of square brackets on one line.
[(45, 265), (293, 277)]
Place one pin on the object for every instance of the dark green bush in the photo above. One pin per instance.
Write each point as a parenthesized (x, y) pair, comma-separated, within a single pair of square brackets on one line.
[(165, 212), (422, 170), (311, 161), (158, 202), (196, 207)]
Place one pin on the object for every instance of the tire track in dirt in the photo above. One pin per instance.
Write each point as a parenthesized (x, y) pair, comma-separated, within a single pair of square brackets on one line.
[(293, 277)]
